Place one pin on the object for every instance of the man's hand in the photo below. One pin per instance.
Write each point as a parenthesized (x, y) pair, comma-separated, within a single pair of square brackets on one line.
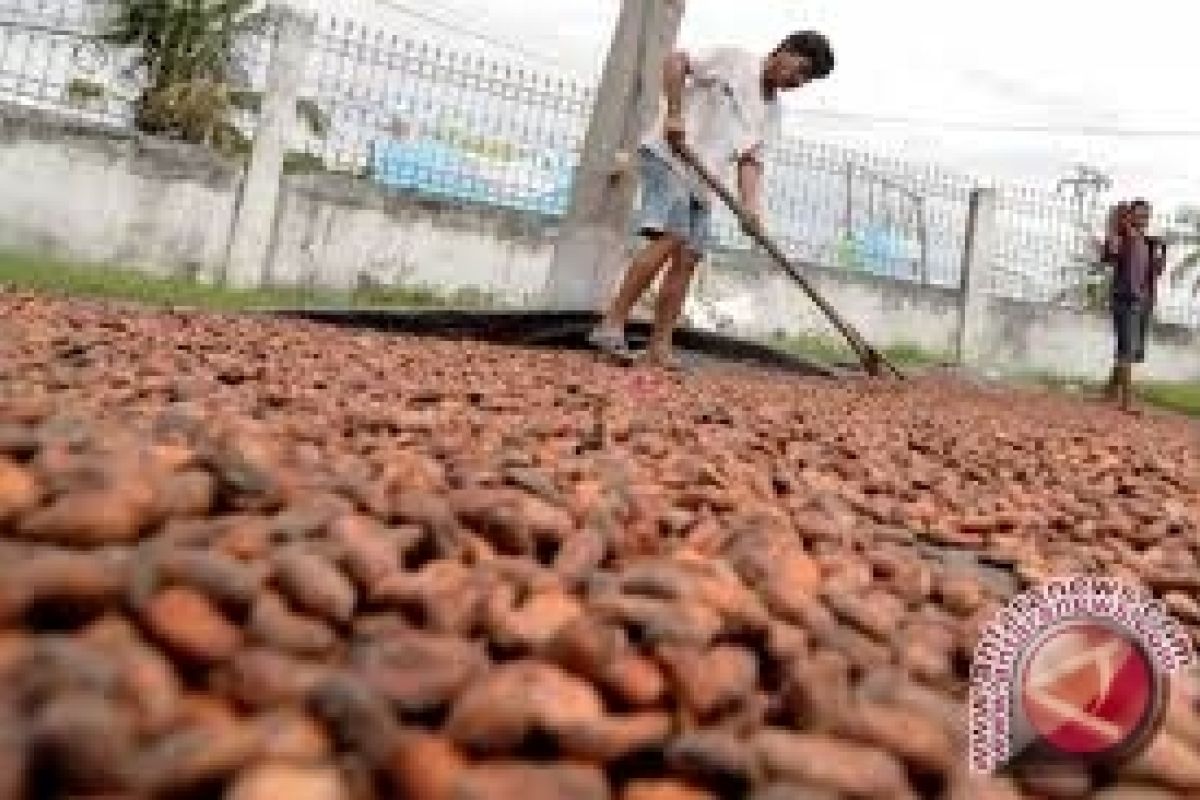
[(753, 223), (674, 132)]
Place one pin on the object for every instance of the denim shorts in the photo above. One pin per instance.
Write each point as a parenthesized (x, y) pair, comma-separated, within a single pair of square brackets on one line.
[(1131, 319), (668, 205)]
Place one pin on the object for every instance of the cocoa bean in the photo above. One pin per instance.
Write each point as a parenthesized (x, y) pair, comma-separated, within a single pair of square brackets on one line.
[(273, 624), (825, 762), (315, 585), (190, 626), (295, 782)]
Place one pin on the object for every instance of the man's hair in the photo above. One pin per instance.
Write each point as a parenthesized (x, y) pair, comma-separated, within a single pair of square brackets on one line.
[(814, 47), (1141, 202)]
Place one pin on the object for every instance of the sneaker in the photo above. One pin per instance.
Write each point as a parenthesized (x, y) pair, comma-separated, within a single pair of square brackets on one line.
[(609, 342)]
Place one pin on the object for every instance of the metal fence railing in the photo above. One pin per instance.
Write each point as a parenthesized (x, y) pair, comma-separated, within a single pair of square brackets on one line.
[(431, 120)]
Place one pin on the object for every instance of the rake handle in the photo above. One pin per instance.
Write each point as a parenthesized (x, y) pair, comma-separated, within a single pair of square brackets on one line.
[(872, 360)]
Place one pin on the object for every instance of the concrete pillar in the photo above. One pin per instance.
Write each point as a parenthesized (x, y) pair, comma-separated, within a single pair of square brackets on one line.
[(978, 253), (592, 248), (253, 227)]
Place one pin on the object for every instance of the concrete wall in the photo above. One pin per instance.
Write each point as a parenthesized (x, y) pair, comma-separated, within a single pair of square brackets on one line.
[(336, 231), (107, 197)]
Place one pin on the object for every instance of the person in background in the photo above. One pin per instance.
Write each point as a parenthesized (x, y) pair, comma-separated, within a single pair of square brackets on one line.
[(724, 104), (1138, 261)]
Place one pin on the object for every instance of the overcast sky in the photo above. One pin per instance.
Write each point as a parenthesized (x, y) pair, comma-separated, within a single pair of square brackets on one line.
[(926, 79)]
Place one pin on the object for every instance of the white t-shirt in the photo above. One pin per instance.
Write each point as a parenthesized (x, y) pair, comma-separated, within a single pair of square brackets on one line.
[(725, 116)]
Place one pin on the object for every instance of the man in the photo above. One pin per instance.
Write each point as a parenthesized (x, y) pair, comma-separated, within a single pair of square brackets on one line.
[(725, 105), (1138, 261)]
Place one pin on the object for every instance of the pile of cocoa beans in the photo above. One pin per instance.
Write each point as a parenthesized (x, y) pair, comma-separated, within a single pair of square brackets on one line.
[(261, 559)]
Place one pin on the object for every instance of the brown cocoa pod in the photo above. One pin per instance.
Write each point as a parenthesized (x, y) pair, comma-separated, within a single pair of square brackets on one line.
[(1182, 717), (876, 614), (961, 594), (291, 737), (192, 757), (585, 646), (917, 740), (150, 686), (223, 578), (273, 624), (606, 739), (425, 767), (419, 671), (262, 679), (862, 651), (185, 494), (635, 680), (90, 518), (190, 626), (1167, 761), (816, 690), (713, 756), (498, 711), (87, 741), (535, 622), (273, 781), (314, 585), (822, 761), (14, 759), (713, 681), (518, 781), (663, 790), (82, 582), (19, 490), (246, 538), (786, 642), (358, 717), (368, 553), (927, 662), (434, 514), (580, 553), (448, 595), (660, 621), (1056, 781)]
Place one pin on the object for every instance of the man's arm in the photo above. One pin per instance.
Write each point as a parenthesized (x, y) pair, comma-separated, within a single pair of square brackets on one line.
[(750, 180), (675, 71)]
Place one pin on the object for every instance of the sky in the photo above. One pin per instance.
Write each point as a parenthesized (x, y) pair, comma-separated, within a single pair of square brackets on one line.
[(926, 80)]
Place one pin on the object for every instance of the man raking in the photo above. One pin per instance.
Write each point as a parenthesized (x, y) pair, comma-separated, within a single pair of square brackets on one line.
[(725, 105)]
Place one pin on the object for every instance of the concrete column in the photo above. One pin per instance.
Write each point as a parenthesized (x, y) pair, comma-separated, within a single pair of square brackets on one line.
[(250, 245), (977, 261), (592, 248)]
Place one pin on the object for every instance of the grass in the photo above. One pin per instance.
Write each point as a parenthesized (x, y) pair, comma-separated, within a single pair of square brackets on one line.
[(1182, 397), (55, 277), (828, 349), (1179, 396)]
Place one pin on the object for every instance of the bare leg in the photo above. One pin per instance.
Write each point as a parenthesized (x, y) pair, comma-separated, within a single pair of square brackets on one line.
[(1110, 389), (671, 296), (1126, 387), (642, 272)]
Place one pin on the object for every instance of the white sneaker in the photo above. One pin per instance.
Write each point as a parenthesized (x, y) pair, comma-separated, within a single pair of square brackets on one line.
[(609, 342)]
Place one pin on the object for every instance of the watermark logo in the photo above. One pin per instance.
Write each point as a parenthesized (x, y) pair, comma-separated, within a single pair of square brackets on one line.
[(1075, 669)]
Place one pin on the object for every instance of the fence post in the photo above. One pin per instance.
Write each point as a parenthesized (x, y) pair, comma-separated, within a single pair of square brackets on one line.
[(592, 245), (977, 259), (254, 223)]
